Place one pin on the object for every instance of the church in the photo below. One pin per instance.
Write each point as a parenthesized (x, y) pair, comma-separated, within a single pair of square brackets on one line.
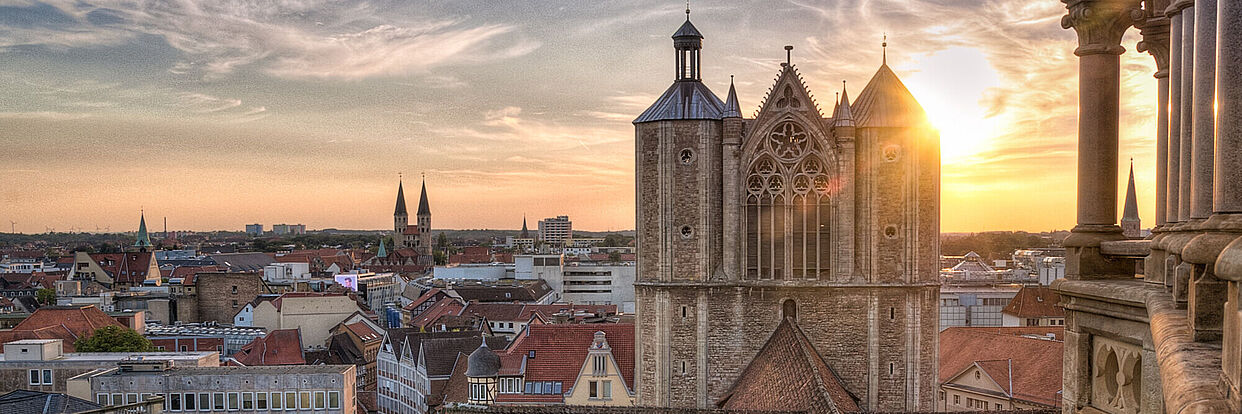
[(787, 261), (411, 251)]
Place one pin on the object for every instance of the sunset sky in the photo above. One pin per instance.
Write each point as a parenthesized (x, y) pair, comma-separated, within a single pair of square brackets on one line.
[(218, 113)]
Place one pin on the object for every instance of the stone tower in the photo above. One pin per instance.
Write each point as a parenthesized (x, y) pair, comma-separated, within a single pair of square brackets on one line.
[(400, 219), (832, 222), (424, 223)]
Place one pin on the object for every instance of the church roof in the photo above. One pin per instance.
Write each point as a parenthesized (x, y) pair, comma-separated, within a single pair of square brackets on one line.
[(1131, 210), (144, 240), (841, 114), (885, 102), (400, 200), (731, 107), (687, 29), (684, 100), (788, 374), (424, 208)]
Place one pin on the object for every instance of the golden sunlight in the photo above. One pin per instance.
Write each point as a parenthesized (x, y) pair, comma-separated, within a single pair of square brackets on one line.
[(950, 84)]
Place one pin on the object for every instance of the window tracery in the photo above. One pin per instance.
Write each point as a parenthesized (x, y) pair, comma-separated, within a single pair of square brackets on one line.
[(788, 209)]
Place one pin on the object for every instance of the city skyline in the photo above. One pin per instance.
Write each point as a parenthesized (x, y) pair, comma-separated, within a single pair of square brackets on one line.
[(306, 112)]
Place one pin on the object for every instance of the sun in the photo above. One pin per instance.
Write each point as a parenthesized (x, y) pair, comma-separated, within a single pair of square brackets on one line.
[(951, 85)]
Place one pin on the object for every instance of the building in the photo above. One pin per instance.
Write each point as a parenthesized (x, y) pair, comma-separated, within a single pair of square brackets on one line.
[(307, 388), (1047, 263), (414, 367), (184, 337), (37, 402), (588, 364), (67, 323), (377, 290), (221, 295), (1034, 306), (41, 365), (278, 347), (313, 314), (1168, 339), (357, 343), (997, 369), (288, 229), (117, 270), (586, 282), (554, 230), (743, 222), (417, 237), (287, 272), (254, 229), (975, 305)]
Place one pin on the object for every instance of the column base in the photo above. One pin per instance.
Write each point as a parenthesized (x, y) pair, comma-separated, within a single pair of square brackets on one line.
[(1083, 260)]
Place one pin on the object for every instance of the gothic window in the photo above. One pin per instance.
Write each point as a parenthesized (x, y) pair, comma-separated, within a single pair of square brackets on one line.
[(787, 208)]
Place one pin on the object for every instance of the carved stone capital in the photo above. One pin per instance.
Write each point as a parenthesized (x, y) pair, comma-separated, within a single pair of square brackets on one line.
[(1100, 24), (1155, 29)]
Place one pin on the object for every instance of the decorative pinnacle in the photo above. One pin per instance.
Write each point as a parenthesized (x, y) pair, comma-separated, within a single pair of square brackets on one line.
[(884, 50), (687, 9), (788, 55)]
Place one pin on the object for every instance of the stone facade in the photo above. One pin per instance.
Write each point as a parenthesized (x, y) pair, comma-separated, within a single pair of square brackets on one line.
[(221, 295), (1166, 339), (744, 221)]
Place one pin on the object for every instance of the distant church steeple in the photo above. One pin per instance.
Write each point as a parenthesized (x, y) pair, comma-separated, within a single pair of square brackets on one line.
[(1131, 225), (382, 252), (525, 231), (144, 240)]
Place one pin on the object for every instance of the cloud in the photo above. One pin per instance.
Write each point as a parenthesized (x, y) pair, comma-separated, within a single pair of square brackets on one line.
[(289, 39)]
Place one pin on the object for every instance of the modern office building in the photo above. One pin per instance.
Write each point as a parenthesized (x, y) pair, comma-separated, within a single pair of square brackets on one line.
[(555, 230)]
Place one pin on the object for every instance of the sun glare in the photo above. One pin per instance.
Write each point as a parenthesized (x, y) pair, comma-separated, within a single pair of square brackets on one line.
[(950, 84)]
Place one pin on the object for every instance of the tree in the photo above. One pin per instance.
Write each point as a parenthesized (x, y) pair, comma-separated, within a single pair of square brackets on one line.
[(614, 257), (616, 240), (442, 242), (114, 339), (46, 296)]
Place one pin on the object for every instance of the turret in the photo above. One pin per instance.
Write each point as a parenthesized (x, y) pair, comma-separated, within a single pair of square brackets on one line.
[(842, 118), (144, 239), (400, 218)]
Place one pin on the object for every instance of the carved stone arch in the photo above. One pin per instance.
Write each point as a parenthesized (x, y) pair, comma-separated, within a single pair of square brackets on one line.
[(821, 140)]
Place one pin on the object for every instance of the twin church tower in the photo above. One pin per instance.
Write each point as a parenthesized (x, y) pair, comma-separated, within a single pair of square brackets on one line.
[(788, 228)]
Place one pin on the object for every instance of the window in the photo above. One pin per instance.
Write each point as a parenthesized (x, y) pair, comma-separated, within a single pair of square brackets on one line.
[(247, 401), (131, 398), (305, 401), (234, 292), (606, 389), (234, 402), (594, 392), (957, 399), (101, 399), (183, 348), (189, 401), (117, 399), (174, 402), (320, 400), (217, 401), (204, 401), (159, 348), (34, 377), (334, 400), (277, 401), (942, 396), (291, 400), (998, 407), (601, 365)]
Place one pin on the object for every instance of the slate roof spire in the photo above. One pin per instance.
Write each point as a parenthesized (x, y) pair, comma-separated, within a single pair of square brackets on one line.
[(842, 115), (1131, 209), (424, 209), (382, 251), (400, 210), (731, 107), (525, 231), (144, 239)]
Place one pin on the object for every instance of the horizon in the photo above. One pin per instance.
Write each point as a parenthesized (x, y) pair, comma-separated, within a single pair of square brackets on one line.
[(267, 118)]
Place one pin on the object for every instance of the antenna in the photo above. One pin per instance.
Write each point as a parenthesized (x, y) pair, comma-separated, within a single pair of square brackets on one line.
[(884, 50)]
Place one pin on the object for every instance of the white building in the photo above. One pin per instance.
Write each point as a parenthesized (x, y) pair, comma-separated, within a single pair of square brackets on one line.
[(593, 283), (287, 272), (475, 271), (21, 266), (556, 229), (974, 305)]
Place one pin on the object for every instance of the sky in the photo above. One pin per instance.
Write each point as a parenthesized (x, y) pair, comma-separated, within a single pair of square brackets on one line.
[(218, 113)]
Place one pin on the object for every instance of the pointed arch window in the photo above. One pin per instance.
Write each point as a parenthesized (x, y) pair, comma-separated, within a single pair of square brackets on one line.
[(788, 208)]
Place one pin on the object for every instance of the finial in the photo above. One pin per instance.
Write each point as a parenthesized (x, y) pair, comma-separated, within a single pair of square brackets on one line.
[(399, 176), (687, 10), (838, 99), (788, 55), (730, 80), (884, 50)]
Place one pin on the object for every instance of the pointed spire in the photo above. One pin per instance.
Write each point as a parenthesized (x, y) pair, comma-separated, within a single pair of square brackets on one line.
[(144, 239), (525, 231), (424, 209), (1131, 210), (842, 116), (400, 210), (732, 108), (382, 252)]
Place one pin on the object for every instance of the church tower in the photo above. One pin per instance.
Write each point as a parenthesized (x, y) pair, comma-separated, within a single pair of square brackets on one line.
[(424, 224), (827, 226), (1131, 226), (400, 219)]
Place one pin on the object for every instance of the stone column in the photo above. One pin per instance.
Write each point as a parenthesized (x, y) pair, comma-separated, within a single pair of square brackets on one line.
[(1228, 159), (1155, 29), (1099, 25), (1204, 116), (1174, 127), (1187, 114)]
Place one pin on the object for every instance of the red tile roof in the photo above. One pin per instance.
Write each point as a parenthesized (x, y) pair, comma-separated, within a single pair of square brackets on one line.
[(789, 374), (447, 306), (1035, 302), (278, 347), (1037, 363), (64, 322), (125, 267), (363, 330), (425, 297), (410, 231), (561, 350)]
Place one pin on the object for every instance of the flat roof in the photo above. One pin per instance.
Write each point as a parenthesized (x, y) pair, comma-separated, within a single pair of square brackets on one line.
[(119, 356), (242, 370), (32, 341)]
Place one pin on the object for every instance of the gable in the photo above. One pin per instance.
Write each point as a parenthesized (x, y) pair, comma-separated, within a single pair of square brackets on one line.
[(975, 377)]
